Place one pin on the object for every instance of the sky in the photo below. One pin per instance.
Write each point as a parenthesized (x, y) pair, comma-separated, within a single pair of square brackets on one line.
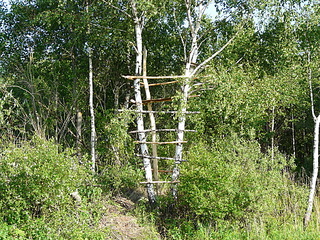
[(211, 11)]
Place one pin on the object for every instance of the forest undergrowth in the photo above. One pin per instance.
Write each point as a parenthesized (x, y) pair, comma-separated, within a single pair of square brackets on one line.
[(250, 197)]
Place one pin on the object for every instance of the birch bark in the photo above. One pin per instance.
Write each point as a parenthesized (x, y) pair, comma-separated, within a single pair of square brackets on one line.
[(195, 14), (194, 26), (79, 135), (93, 138), (313, 182), (140, 123)]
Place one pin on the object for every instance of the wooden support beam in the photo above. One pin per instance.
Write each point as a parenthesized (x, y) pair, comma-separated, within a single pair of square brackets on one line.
[(159, 182), (153, 77), (165, 171), (163, 130), (160, 143), (172, 112), (164, 99), (160, 158), (159, 84), (157, 100)]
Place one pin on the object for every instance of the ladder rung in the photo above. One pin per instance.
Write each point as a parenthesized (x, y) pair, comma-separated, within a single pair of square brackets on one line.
[(165, 171), (160, 158), (143, 111), (157, 100), (160, 143), (162, 130), (164, 99), (153, 77), (159, 182), (159, 84)]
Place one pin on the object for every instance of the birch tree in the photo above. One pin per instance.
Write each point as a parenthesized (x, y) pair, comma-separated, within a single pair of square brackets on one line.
[(139, 24), (93, 138), (315, 170), (314, 177), (195, 11), (139, 17)]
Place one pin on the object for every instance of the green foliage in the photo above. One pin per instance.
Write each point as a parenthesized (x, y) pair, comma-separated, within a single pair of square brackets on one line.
[(119, 179), (117, 145), (232, 189), (9, 115), (119, 171), (36, 179)]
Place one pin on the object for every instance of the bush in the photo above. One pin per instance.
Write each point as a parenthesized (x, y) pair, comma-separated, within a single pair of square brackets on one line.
[(120, 179), (233, 184), (35, 179)]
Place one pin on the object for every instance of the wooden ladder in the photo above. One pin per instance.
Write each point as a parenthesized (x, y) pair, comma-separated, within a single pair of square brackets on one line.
[(141, 132)]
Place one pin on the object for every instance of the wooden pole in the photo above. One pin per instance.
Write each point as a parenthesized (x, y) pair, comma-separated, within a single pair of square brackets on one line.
[(153, 77), (152, 118)]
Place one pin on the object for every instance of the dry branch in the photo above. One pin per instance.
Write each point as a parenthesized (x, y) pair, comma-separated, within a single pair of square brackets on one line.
[(143, 111), (160, 158), (160, 143), (153, 77), (160, 182), (159, 84), (163, 130)]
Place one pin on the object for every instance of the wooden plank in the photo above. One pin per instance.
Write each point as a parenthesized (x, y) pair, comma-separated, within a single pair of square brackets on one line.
[(153, 77), (165, 171), (160, 143), (162, 130), (159, 84), (157, 100), (159, 182), (164, 99), (160, 158), (160, 99), (151, 116), (144, 111)]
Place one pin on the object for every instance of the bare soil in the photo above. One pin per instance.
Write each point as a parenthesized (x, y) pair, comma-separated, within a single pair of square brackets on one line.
[(122, 224)]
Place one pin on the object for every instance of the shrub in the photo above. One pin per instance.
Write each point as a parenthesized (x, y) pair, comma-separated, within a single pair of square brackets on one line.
[(233, 181), (36, 178), (119, 179)]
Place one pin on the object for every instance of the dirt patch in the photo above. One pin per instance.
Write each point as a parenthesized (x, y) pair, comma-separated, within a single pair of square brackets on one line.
[(122, 224)]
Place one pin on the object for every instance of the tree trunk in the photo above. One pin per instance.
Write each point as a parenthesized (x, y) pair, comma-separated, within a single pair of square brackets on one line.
[(314, 172), (194, 25), (137, 92), (272, 132), (293, 136), (93, 138), (79, 134), (314, 177)]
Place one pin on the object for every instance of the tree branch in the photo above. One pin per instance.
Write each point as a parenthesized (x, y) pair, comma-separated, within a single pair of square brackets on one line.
[(212, 56), (119, 9)]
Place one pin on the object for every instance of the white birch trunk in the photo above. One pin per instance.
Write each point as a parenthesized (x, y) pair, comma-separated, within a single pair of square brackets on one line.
[(272, 131), (194, 25), (79, 135), (93, 138), (194, 16), (314, 177), (293, 136), (180, 134), (313, 182), (137, 93)]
